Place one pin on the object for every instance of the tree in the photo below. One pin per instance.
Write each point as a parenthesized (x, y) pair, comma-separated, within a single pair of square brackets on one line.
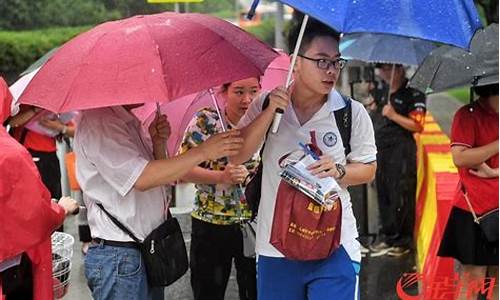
[(489, 9)]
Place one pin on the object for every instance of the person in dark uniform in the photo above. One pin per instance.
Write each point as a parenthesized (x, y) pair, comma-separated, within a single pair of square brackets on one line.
[(395, 121)]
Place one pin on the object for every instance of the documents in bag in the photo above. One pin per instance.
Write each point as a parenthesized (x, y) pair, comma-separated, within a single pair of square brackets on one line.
[(322, 190)]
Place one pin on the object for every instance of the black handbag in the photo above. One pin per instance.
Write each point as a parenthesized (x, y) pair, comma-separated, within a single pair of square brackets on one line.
[(163, 251), (488, 221)]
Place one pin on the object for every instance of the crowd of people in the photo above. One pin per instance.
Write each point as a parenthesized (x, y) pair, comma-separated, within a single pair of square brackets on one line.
[(124, 172)]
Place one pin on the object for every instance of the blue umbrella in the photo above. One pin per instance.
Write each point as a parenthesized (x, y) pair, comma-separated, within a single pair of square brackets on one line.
[(385, 48), (446, 21)]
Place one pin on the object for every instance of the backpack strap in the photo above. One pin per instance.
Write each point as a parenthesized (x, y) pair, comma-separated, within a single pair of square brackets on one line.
[(265, 104), (343, 118)]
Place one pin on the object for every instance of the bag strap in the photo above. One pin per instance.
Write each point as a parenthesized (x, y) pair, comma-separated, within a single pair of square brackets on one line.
[(476, 219), (265, 104), (343, 118), (120, 225)]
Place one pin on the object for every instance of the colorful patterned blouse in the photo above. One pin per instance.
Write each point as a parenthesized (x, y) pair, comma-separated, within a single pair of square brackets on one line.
[(214, 203)]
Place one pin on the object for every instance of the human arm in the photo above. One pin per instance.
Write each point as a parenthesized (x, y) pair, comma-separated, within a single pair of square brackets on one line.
[(484, 171), (159, 131), (466, 157), (408, 123), (57, 125), (464, 151), (161, 172), (259, 122), (355, 173), (24, 116), (360, 163)]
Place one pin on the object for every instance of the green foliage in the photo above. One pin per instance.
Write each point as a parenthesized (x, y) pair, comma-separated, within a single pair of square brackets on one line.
[(30, 14), (461, 94), (264, 31), (19, 49), (25, 14)]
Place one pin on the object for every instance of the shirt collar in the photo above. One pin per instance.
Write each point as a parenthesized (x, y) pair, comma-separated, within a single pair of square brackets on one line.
[(123, 114), (335, 101)]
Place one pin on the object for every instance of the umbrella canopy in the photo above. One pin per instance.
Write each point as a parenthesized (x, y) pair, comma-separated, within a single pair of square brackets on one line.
[(385, 48), (180, 111), (447, 21), (39, 62), (448, 67), (150, 58)]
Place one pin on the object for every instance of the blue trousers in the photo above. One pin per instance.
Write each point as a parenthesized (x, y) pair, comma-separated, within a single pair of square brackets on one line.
[(335, 277), (118, 273)]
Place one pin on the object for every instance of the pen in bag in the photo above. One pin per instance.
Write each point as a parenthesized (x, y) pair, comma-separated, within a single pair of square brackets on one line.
[(308, 151)]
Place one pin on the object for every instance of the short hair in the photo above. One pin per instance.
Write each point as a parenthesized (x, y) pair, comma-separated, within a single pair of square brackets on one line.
[(226, 85), (313, 29), (487, 90)]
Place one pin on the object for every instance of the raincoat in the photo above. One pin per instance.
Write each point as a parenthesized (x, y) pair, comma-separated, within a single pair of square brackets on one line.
[(27, 215)]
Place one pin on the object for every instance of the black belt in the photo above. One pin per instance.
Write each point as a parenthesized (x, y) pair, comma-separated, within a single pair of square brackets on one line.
[(115, 243)]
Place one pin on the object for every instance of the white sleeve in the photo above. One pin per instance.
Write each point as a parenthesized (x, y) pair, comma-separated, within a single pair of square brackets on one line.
[(363, 147), (110, 149)]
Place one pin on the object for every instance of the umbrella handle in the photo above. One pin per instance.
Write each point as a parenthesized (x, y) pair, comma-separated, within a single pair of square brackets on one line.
[(279, 112)]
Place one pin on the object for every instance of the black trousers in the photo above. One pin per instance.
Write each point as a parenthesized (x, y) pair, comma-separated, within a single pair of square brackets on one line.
[(47, 164), (396, 181), (17, 281), (213, 248)]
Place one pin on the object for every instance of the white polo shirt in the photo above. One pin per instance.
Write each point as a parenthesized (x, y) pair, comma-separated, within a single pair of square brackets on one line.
[(290, 133), (111, 153)]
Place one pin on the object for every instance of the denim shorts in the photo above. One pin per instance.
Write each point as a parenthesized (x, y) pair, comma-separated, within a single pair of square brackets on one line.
[(118, 273)]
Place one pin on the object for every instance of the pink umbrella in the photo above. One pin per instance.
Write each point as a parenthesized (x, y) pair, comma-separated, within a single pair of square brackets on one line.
[(180, 111), (154, 58), (276, 72)]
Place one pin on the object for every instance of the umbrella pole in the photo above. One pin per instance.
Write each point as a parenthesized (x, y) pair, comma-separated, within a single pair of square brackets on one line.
[(390, 84), (296, 51), (216, 104), (279, 112), (224, 129)]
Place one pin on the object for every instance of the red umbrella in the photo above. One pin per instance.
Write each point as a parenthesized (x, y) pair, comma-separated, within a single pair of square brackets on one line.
[(150, 58), (180, 111)]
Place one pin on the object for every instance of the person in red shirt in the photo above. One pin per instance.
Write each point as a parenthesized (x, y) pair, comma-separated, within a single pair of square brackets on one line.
[(474, 147), (41, 147), (28, 217)]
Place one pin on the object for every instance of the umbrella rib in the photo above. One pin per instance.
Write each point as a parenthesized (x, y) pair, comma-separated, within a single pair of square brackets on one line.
[(248, 57), (164, 85), (79, 71)]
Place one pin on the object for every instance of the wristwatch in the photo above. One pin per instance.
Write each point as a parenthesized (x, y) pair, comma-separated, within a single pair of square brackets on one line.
[(341, 169)]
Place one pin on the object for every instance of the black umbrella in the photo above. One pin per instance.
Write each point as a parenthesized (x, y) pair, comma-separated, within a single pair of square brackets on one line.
[(447, 67)]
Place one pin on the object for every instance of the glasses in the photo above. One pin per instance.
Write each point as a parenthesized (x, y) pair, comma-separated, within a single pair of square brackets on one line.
[(325, 64)]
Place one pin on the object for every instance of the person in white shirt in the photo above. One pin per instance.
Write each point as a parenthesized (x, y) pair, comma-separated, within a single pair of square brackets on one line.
[(127, 173), (309, 105)]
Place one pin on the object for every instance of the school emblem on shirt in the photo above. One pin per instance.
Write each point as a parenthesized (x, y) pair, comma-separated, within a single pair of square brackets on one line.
[(330, 139)]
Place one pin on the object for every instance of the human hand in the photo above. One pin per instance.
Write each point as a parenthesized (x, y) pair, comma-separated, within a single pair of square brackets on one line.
[(484, 171), (159, 130), (278, 99), (388, 111), (69, 204), (53, 124), (235, 174), (221, 145), (324, 167)]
